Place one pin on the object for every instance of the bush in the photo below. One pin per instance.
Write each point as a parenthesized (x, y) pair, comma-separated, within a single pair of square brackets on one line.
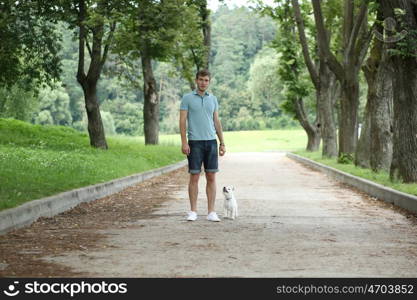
[(345, 158)]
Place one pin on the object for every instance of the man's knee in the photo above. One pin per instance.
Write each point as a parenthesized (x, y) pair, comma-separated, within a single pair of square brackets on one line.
[(194, 178), (211, 176)]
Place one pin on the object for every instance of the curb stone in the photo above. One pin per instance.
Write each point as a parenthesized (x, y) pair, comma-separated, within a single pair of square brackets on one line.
[(29, 212), (404, 200)]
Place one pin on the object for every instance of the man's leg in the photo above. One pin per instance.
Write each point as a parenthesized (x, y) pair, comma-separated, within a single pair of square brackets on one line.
[(211, 190), (193, 190)]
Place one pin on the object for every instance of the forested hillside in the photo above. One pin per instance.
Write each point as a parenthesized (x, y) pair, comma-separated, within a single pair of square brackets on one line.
[(244, 72)]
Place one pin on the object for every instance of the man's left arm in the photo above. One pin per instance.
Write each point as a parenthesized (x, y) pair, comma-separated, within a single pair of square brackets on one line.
[(219, 131)]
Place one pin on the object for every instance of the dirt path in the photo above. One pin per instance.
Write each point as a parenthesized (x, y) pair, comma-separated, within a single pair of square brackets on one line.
[(294, 222)]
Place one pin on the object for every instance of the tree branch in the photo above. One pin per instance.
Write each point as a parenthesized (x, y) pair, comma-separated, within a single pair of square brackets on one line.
[(195, 58), (359, 22), (81, 42), (364, 45), (347, 21), (87, 44), (301, 32), (107, 43), (323, 42)]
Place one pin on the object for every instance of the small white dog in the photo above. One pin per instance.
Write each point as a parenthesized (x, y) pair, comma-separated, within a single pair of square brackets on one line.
[(230, 203)]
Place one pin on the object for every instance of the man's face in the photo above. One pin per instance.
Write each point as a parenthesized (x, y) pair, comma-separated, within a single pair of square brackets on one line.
[(203, 82)]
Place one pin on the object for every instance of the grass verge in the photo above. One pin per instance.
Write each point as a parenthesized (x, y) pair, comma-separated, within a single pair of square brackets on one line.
[(38, 161), (256, 140), (380, 177)]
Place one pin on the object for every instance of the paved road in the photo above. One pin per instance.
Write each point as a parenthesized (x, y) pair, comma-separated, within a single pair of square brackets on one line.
[(294, 222)]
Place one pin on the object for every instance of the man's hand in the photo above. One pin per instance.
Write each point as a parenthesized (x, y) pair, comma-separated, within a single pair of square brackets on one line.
[(222, 150), (185, 149)]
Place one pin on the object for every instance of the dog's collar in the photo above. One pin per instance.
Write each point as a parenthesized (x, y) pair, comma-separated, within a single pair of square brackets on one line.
[(229, 198)]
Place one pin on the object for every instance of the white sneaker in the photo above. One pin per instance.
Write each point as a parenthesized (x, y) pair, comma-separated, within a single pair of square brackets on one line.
[(192, 216), (213, 217)]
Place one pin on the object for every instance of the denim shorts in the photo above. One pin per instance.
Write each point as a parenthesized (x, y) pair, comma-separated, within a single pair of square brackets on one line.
[(203, 152)]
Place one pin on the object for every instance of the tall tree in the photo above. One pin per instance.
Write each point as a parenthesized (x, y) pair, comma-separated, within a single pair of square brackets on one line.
[(95, 23), (375, 144), (149, 32), (290, 72), (356, 39), (324, 82), (404, 60), (91, 22)]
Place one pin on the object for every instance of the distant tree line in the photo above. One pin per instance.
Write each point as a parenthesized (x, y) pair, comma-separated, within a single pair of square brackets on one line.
[(121, 68)]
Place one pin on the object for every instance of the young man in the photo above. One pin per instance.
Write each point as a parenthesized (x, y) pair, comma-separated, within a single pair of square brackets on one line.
[(199, 110)]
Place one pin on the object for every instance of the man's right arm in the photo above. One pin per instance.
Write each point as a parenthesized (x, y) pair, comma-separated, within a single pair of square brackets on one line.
[(183, 130)]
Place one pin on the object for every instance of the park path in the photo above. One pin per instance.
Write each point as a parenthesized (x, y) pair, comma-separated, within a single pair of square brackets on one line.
[(294, 222)]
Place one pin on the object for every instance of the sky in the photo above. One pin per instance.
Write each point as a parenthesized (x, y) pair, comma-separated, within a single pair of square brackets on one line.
[(214, 4)]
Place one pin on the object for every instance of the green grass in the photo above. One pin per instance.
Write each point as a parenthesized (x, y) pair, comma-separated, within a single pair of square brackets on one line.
[(38, 161), (381, 177), (255, 141)]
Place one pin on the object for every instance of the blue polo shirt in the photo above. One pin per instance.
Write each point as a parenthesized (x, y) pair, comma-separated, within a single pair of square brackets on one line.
[(200, 115)]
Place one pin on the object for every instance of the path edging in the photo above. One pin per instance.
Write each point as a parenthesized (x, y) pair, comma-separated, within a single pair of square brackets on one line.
[(29, 212), (404, 200)]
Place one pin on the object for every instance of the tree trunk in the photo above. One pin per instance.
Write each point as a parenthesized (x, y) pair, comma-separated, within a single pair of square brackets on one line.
[(382, 117), (370, 70), (312, 131), (325, 84), (151, 103), (313, 139), (348, 123), (326, 95), (363, 150), (89, 82), (95, 123), (404, 160), (404, 164), (375, 144), (356, 38)]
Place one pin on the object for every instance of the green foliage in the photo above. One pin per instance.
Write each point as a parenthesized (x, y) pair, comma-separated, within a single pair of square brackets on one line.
[(152, 27), (18, 103), (345, 158), (264, 85), (108, 123), (53, 107), (189, 52), (29, 48), (127, 116), (244, 71), (238, 35), (69, 59), (292, 69), (406, 47)]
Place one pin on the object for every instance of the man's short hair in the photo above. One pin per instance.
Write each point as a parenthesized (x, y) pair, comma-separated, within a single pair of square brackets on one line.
[(202, 73)]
